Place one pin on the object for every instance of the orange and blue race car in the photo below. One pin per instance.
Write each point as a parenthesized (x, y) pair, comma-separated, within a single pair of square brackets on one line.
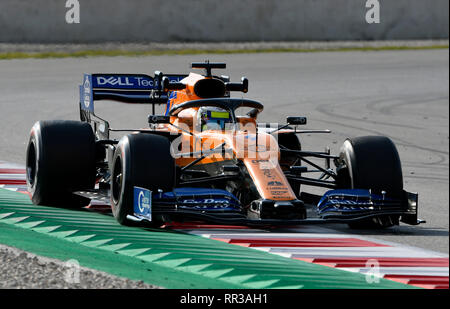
[(208, 159)]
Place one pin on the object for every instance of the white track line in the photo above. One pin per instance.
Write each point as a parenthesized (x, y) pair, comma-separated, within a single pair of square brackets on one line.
[(371, 252), (410, 271)]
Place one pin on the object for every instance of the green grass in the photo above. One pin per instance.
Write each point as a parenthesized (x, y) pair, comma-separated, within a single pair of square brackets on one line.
[(115, 53)]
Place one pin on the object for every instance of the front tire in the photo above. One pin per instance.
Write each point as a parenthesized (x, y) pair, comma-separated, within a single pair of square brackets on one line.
[(371, 162), (140, 160)]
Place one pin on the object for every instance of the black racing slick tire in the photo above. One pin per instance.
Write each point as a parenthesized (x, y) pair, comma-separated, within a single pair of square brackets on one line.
[(371, 162), (60, 160), (291, 142), (140, 160)]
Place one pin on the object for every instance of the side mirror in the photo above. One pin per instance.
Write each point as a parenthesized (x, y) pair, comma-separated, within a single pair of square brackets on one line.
[(156, 119), (253, 113), (242, 86), (296, 120)]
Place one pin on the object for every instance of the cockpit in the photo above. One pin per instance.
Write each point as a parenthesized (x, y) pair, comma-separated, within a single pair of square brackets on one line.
[(213, 118)]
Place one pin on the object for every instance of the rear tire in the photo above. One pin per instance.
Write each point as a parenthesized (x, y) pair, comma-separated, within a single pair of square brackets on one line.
[(292, 142), (141, 160), (60, 160), (371, 162)]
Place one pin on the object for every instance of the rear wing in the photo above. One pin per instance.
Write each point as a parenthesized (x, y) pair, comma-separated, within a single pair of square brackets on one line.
[(126, 88)]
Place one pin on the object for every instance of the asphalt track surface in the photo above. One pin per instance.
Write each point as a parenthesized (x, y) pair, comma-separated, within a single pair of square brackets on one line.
[(400, 94)]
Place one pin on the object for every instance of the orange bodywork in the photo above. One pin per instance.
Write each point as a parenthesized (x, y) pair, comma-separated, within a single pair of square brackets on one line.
[(258, 151)]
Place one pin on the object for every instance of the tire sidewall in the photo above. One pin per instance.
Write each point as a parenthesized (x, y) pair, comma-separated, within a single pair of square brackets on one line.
[(35, 187), (125, 197)]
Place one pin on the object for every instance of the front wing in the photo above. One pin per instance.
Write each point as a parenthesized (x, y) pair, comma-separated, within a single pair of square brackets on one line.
[(221, 207)]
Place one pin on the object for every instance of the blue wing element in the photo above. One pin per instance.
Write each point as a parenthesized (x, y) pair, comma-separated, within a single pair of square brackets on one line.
[(354, 201), (205, 199)]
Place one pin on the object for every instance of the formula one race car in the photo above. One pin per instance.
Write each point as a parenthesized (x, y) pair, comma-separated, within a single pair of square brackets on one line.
[(207, 159)]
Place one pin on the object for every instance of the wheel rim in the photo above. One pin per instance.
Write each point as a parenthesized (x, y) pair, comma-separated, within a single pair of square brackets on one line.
[(117, 180), (31, 164)]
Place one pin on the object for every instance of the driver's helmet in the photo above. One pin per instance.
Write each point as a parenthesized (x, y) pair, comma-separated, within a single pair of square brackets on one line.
[(213, 118)]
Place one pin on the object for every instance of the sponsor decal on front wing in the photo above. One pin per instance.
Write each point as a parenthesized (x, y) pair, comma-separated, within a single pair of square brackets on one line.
[(142, 203), (207, 204)]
